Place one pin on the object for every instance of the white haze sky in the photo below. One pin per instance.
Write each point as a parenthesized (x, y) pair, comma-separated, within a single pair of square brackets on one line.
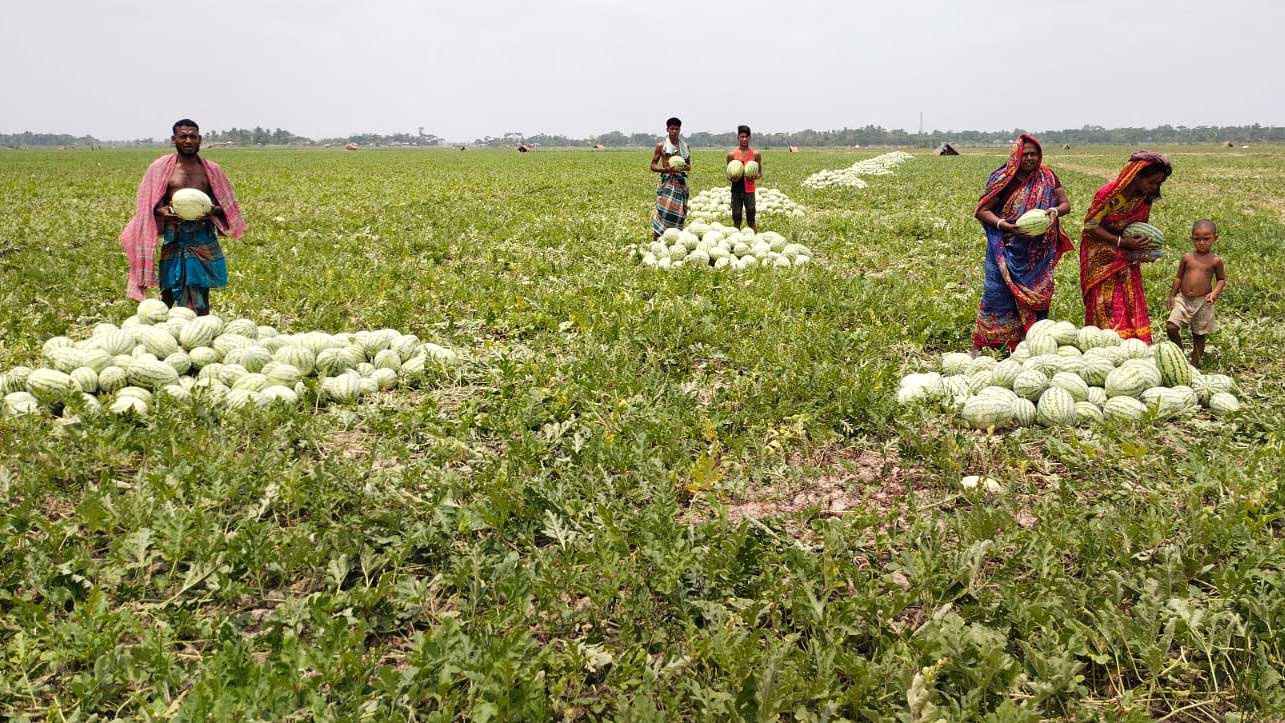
[(121, 69)]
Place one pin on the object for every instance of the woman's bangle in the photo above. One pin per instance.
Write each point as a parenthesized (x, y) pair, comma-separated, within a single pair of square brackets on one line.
[(1118, 239)]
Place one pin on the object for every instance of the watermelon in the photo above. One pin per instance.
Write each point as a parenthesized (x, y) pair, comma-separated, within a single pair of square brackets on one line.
[(1094, 370), (1145, 231), (1035, 222), (735, 170), (1073, 385), (191, 204), (151, 374), (242, 327), (983, 412), (1136, 349), (128, 406), (1008, 395), (181, 313), (279, 373), (17, 404), (752, 170), (1097, 395), (228, 341), (177, 392), (1030, 384), (1023, 412), (180, 360), (51, 385), (239, 400), (1064, 332), (200, 331), (152, 311), (955, 363), (1042, 344), (86, 379), (1147, 368), (384, 377), (112, 378), (1088, 412), (156, 340), (252, 381), (1056, 407), (1089, 337), (1124, 409), (1223, 403), (388, 359), (280, 394), (1172, 363), (1005, 372), (1069, 350), (1219, 383), (1126, 382), (202, 356), (677, 163), (116, 341)]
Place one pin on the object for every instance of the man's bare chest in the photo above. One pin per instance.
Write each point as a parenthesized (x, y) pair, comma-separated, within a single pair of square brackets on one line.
[(188, 176)]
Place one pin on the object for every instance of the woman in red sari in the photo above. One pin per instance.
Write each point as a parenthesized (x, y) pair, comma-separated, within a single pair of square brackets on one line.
[(1110, 283), (1019, 269)]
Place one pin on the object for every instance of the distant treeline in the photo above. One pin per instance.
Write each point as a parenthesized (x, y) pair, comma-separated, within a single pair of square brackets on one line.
[(867, 136)]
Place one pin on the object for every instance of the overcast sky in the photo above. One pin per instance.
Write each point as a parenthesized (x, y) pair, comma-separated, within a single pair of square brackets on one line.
[(125, 69)]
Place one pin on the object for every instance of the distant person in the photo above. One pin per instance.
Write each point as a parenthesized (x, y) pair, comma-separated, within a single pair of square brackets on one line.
[(1018, 287), (1195, 281), (191, 258), (1110, 282), (743, 188), (671, 195)]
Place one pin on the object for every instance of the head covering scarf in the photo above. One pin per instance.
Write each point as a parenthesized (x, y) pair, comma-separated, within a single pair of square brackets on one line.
[(1019, 269), (1110, 283)]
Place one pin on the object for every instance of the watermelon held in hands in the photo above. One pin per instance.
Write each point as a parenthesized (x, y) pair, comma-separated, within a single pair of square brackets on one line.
[(677, 163), (1035, 222), (752, 170), (735, 170)]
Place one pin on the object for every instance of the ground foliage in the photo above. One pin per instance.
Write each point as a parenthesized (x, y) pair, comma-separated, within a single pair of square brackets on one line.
[(653, 496)]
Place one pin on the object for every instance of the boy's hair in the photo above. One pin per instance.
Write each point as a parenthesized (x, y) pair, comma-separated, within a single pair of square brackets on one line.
[(742, 129), (184, 123), (673, 122), (1205, 223)]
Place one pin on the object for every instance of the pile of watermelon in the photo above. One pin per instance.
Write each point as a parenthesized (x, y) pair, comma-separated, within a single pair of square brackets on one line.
[(715, 246), (851, 177), (1062, 375), (164, 355), (715, 203)]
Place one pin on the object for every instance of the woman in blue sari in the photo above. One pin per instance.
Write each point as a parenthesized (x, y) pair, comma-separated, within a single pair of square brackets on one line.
[(1019, 268)]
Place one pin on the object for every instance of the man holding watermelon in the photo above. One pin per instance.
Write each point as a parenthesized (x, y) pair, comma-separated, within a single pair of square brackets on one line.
[(189, 201), (671, 160), (749, 163)]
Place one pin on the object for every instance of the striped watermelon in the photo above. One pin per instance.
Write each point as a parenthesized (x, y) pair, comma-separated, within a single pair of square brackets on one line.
[(1146, 231), (1172, 363), (298, 357), (1126, 382), (1097, 395), (17, 404), (1124, 409), (1222, 403), (1023, 412), (128, 406), (151, 374), (86, 379), (51, 385), (1030, 384), (986, 411), (1056, 407), (1073, 385), (1088, 412), (1094, 370), (200, 331), (242, 327), (152, 311)]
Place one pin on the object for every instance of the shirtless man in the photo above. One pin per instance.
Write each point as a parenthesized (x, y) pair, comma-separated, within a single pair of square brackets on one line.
[(1195, 280), (191, 260)]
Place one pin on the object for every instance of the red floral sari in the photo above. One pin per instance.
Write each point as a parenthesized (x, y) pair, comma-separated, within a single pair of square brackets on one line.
[(1110, 284)]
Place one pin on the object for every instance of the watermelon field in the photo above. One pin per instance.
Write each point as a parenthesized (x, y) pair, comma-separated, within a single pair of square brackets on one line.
[(642, 493)]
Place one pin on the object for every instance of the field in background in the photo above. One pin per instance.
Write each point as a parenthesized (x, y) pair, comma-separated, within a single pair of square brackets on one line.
[(648, 495)]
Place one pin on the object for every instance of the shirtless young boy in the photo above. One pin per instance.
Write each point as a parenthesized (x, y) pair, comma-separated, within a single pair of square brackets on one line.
[(1195, 280)]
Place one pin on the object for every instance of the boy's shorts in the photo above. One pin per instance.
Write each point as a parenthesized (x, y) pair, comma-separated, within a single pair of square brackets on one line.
[(1193, 311)]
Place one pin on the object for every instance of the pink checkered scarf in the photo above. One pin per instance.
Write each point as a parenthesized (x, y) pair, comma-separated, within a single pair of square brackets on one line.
[(139, 237)]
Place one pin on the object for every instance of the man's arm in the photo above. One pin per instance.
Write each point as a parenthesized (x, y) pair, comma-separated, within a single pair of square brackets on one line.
[(655, 159)]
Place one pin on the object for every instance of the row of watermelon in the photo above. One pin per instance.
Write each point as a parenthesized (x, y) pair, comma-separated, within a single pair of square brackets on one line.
[(1064, 375)]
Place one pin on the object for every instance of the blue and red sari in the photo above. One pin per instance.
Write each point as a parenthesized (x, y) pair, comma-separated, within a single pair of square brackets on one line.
[(1019, 269)]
